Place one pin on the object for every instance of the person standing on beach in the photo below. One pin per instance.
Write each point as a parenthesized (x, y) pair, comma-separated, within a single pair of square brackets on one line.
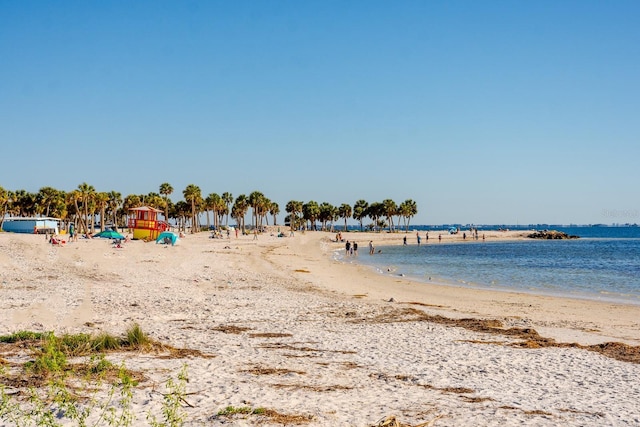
[(418, 237), (347, 247), (404, 240), (371, 247), (354, 249), (439, 237)]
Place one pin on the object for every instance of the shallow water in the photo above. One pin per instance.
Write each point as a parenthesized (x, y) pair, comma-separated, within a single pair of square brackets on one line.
[(604, 265)]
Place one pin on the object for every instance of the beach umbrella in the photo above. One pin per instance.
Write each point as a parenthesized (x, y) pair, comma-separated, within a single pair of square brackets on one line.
[(109, 234)]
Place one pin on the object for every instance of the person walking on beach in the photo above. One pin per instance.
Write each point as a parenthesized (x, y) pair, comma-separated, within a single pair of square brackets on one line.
[(354, 249), (255, 234), (404, 240), (418, 237), (347, 248), (371, 247)]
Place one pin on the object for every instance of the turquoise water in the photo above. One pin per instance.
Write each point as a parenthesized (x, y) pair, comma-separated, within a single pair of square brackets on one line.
[(604, 264)]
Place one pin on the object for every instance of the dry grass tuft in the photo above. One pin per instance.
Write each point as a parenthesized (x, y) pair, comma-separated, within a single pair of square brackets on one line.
[(182, 353), (316, 388), (285, 346), (414, 380), (258, 370), (530, 412), (530, 337), (230, 329), (350, 365), (286, 419), (422, 304), (474, 399), (270, 335), (392, 421)]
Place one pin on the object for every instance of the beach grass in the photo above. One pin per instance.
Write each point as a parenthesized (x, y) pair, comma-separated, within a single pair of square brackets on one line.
[(58, 389)]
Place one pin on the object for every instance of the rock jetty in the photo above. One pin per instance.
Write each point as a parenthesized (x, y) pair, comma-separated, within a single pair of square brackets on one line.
[(551, 235)]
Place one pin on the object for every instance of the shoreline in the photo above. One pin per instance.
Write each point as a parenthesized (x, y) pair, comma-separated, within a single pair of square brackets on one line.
[(585, 321)]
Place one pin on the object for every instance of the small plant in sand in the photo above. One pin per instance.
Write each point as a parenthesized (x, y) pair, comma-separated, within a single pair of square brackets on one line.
[(58, 403), (172, 413), (136, 338), (50, 359), (92, 393), (241, 410)]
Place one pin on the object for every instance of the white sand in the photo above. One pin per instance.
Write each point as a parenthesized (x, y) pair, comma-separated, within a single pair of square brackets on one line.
[(339, 363)]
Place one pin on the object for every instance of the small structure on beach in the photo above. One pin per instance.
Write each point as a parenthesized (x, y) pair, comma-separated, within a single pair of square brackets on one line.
[(145, 224), (168, 238), (43, 225)]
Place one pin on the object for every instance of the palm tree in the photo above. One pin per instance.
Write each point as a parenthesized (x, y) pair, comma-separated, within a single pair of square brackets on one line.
[(71, 201), (228, 199), (390, 209), (102, 201), (293, 208), (311, 212), (360, 211), (165, 190), (239, 210), (327, 214), (256, 200), (48, 196), (407, 209), (344, 211), (154, 200), (86, 194), (274, 210), (263, 210), (375, 211), (115, 200), (193, 196), (4, 204), (24, 203), (181, 210), (213, 202), (221, 209), (58, 208)]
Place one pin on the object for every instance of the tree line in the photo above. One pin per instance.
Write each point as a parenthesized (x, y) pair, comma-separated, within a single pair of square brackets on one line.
[(87, 207)]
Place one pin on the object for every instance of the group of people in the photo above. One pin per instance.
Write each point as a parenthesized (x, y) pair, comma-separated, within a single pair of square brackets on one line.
[(351, 249)]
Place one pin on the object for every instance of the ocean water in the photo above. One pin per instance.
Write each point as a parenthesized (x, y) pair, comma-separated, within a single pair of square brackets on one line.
[(604, 264)]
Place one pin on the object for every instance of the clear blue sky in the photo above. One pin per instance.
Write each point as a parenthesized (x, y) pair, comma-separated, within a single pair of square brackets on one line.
[(480, 111)]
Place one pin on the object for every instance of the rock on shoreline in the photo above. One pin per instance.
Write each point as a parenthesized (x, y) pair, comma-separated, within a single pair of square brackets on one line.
[(551, 235)]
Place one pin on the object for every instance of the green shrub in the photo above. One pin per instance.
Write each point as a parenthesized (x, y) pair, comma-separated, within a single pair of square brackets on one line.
[(22, 336), (105, 342), (75, 345), (136, 338), (49, 359)]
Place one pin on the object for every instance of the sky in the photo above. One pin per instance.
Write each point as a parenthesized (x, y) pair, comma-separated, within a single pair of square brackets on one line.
[(482, 112)]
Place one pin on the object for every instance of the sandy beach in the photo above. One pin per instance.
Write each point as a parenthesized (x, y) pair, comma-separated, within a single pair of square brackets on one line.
[(282, 325)]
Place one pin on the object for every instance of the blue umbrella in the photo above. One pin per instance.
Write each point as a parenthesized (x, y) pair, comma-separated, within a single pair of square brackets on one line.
[(109, 234)]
